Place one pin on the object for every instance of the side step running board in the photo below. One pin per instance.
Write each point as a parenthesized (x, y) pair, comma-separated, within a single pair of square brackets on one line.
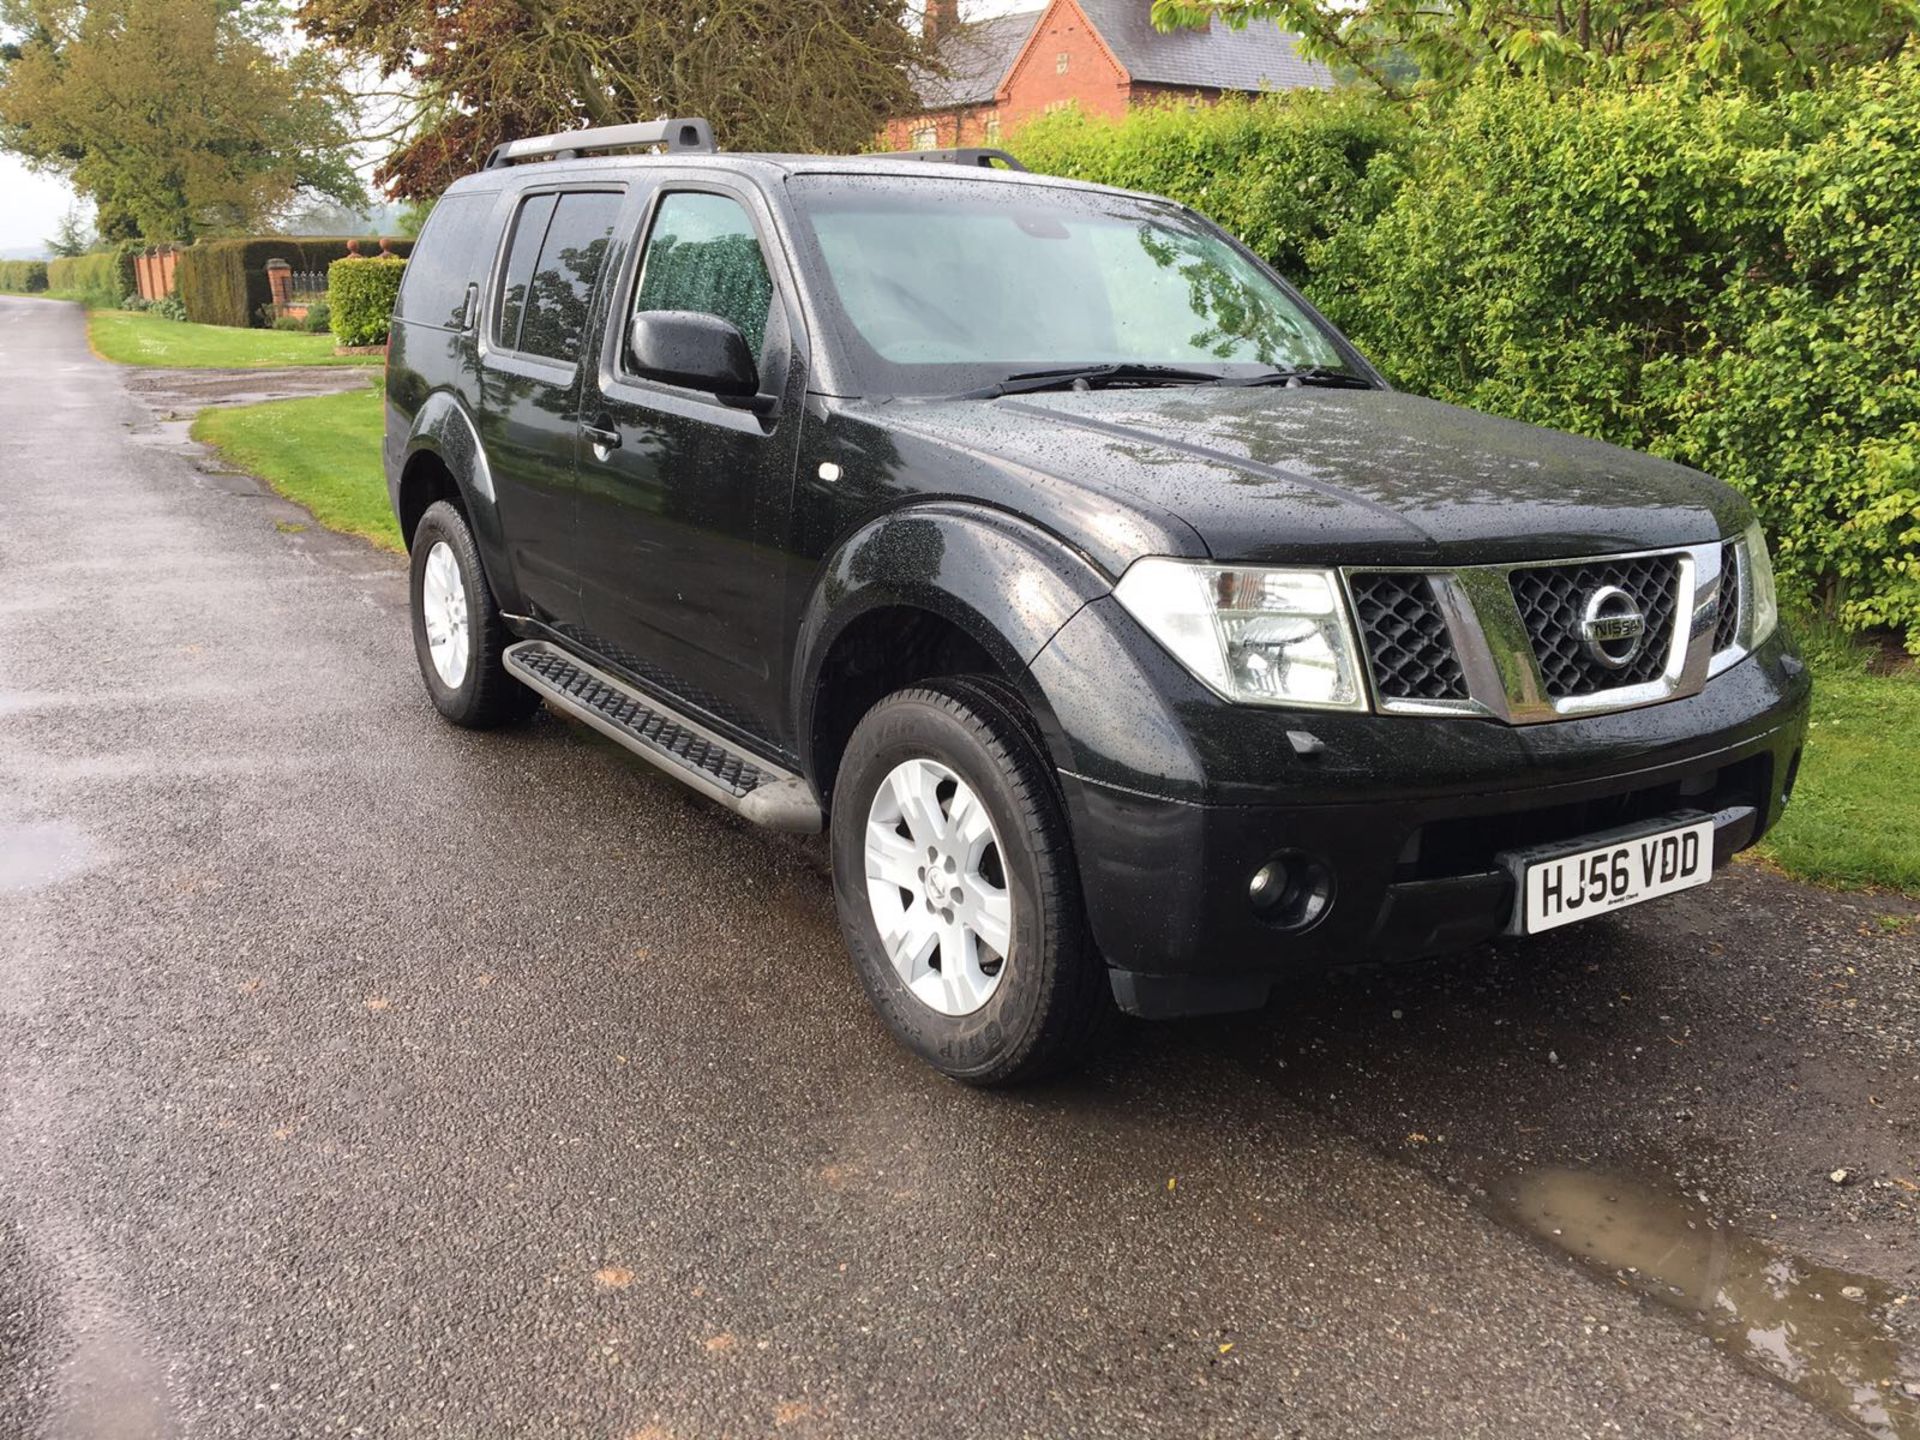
[(755, 788)]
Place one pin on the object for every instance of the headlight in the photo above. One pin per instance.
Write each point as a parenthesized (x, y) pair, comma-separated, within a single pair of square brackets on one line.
[(1762, 602), (1263, 637)]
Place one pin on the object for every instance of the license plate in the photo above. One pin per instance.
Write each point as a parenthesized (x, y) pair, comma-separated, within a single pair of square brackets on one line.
[(1557, 890)]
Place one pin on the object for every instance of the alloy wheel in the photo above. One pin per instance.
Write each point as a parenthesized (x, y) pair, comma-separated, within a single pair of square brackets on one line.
[(937, 885)]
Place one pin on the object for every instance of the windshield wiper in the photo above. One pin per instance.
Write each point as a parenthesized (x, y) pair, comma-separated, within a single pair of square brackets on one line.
[(1305, 375), (1086, 376)]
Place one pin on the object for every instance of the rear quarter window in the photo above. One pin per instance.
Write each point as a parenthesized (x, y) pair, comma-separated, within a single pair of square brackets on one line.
[(452, 252)]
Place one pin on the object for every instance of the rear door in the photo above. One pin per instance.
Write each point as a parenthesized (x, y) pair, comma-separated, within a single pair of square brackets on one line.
[(683, 523), (530, 378)]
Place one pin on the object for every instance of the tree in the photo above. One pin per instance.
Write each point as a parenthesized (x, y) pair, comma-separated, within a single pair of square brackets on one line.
[(175, 117), (1765, 43), (769, 74), (71, 237)]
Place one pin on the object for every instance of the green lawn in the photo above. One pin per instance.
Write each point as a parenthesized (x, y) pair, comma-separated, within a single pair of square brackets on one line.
[(322, 452), (1855, 816), (129, 337)]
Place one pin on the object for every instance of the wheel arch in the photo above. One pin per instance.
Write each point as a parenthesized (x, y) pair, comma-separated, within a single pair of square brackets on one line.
[(445, 460), (929, 590)]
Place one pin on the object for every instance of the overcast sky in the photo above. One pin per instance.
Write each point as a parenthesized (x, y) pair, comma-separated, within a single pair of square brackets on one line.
[(31, 205)]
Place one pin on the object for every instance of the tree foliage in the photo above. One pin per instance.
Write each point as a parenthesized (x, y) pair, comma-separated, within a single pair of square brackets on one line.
[(72, 236), (769, 74), (175, 117), (1407, 45)]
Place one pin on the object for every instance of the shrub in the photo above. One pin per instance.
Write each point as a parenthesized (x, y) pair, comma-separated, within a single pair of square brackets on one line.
[(23, 277), (135, 303), (224, 282), (319, 318), (1283, 172), (167, 307), (360, 296), (100, 277)]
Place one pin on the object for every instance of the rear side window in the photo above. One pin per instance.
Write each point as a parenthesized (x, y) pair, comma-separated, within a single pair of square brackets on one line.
[(529, 229), (562, 286), (702, 254), (450, 255)]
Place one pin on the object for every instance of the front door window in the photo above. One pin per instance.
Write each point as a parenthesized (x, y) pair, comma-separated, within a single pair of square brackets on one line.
[(703, 255)]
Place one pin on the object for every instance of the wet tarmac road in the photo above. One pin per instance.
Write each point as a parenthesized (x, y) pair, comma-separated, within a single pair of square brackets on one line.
[(363, 1076)]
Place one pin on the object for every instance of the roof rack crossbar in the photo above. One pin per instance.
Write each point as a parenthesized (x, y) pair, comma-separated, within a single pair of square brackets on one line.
[(967, 155), (687, 136)]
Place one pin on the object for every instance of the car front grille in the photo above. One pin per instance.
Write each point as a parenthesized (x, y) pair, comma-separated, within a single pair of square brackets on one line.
[(1529, 642), (1551, 598), (1408, 647), (1727, 630)]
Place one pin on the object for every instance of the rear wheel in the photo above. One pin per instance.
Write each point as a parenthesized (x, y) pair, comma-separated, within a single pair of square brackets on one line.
[(458, 635), (955, 880)]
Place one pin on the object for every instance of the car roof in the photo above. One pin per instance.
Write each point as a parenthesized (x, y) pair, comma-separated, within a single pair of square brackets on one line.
[(768, 167)]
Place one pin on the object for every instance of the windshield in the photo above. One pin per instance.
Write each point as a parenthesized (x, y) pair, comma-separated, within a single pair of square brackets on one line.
[(944, 286)]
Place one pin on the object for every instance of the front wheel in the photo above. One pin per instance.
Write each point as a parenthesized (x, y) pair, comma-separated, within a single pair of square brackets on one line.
[(955, 880), (458, 635)]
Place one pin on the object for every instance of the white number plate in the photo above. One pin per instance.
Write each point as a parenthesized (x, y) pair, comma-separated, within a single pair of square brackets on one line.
[(1566, 888)]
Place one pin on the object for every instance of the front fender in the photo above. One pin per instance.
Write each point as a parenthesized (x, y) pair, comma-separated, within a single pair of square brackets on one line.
[(1007, 584)]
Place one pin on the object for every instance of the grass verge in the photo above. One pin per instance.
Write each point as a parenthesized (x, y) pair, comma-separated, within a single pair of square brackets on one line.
[(129, 337), (1855, 817), (321, 451)]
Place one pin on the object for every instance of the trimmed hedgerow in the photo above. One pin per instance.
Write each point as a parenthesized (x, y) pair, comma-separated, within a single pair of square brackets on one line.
[(1726, 279), (224, 282), (23, 277), (101, 277), (360, 296)]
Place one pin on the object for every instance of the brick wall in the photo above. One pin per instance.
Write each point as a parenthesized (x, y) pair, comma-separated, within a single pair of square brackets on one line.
[(153, 272), (968, 125), (1064, 62)]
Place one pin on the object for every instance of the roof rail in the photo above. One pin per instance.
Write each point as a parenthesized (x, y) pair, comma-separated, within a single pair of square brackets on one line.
[(969, 155), (687, 136)]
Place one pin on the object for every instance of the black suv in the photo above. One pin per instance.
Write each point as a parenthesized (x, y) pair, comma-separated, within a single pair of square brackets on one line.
[(1141, 644)]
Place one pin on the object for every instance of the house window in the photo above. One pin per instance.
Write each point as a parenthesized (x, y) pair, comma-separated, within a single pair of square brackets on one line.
[(1060, 63), (1053, 105), (992, 129), (924, 137)]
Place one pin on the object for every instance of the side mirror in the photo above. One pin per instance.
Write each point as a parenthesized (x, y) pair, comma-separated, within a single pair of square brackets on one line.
[(701, 352)]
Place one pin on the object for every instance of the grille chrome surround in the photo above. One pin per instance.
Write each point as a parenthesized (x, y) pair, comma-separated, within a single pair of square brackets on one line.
[(1496, 652)]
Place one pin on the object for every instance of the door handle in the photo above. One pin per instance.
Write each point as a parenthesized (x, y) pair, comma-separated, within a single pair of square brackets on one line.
[(602, 437)]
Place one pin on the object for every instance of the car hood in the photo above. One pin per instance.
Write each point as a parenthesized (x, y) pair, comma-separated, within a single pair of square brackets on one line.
[(1344, 476)]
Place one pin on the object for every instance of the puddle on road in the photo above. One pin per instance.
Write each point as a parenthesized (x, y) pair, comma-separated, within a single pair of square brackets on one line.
[(35, 856), (1821, 1331)]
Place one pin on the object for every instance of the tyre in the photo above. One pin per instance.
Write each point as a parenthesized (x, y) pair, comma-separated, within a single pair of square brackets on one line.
[(955, 881), (458, 635)]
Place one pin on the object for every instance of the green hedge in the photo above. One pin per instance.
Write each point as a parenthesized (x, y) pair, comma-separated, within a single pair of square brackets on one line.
[(224, 282), (23, 277), (104, 277), (360, 296), (1729, 280), (1284, 173)]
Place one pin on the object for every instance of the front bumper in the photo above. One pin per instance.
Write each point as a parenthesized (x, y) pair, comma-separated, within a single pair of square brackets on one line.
[(1408, 814)]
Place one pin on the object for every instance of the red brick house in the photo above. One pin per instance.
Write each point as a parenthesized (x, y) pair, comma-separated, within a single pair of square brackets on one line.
[(1103, 55)]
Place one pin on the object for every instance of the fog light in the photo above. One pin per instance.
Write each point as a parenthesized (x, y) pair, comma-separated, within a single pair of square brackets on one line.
[(1291, 891)]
